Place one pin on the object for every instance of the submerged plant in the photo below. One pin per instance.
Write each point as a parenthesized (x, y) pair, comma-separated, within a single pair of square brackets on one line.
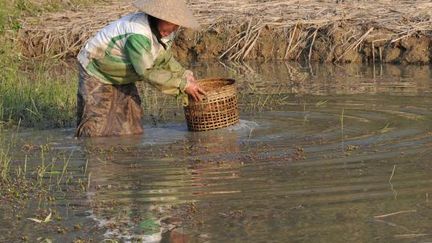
[(5, 163), (5, 158)]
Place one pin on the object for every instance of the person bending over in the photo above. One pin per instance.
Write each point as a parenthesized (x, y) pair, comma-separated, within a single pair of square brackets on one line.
[(133, 48)]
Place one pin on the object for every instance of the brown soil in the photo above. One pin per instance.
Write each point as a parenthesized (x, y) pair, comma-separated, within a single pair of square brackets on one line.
[(328, 46)]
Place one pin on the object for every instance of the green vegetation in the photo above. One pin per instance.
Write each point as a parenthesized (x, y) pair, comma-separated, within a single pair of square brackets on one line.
[(36, 93), (38, 180), (41, 98), (41, 92), (12, 10), (13, 171)]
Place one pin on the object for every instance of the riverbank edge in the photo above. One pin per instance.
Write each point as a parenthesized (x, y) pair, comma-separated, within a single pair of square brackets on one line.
[(342, 42)]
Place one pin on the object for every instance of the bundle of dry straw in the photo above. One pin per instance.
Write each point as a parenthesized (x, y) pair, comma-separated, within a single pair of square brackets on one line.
[(63, 33)]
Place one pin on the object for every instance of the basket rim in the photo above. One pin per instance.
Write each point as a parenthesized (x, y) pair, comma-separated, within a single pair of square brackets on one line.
[(228, 84)]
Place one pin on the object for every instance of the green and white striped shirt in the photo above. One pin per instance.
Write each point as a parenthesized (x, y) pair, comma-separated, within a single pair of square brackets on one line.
[(127, 51)]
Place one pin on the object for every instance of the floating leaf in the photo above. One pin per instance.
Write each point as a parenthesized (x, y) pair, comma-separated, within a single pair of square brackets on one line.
[(35, 220), (44, 240), (46, 220)]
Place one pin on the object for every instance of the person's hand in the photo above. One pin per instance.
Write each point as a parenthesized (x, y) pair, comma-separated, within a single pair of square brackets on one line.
[(190, 76), (193, 89)]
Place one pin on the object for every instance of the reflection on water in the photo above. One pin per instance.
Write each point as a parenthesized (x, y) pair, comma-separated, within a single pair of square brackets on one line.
[(136, 184), (319, 79), (323, 154)]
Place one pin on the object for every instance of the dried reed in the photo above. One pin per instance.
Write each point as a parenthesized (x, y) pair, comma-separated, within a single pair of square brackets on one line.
[(63, 33)]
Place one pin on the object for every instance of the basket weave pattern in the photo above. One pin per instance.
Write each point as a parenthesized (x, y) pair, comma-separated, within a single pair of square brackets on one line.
[(219, 109)]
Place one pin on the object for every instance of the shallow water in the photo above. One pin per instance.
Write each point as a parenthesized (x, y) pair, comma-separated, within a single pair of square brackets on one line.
[(322, 154)]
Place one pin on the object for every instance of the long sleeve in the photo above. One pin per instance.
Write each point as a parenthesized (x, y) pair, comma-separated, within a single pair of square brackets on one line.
[(165, 73)]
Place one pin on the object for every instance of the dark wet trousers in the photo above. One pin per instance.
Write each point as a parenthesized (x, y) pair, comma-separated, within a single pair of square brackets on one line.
[(107, 110)]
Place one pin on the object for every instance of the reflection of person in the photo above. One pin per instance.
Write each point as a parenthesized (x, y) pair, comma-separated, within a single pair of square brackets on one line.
[(134, 194), (133, 48), (126, 204)]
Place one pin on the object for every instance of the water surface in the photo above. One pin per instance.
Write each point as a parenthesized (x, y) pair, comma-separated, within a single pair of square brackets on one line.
[(322, 154)]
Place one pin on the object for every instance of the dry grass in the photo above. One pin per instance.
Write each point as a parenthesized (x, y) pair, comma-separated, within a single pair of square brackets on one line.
[(63, 33)]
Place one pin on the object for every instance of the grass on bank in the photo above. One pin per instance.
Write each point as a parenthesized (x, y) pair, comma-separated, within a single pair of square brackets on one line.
[(12, 10), (33, 91), (37, 98), (41, 92)]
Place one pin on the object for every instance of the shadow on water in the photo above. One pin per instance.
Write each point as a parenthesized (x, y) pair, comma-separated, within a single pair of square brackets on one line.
[(323, 154)]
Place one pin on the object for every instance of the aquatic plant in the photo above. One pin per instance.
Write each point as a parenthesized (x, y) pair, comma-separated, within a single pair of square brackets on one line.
[(6, 144), (5, 162)]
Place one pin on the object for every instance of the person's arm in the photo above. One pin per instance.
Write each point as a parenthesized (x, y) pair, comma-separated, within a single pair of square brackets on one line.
[(169, 76), (192, 88), (169, 79)]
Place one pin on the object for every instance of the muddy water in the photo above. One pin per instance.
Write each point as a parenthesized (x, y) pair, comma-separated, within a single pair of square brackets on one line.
[(322, 154)]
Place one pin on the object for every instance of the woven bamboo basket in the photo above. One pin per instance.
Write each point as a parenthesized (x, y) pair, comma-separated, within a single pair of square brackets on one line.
[(219, 109)]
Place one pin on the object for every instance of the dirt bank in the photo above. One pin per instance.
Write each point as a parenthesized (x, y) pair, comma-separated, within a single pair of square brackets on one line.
[(336, 43), (314, 30)]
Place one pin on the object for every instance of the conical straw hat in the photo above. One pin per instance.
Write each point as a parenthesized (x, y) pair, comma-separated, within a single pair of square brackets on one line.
[(174, 11)]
